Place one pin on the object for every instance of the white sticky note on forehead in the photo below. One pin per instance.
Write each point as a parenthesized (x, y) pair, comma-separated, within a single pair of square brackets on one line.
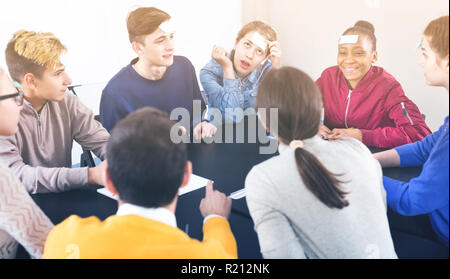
[(259, 41), (419, 45), (167, 27), (348, 39)]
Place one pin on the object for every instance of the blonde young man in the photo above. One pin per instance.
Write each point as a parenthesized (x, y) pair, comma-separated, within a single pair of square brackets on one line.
[(156, 78), (39, 154)]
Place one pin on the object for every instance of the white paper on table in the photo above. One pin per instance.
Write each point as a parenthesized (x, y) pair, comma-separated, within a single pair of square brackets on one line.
[(195, 182), (238, 194), (107, 193)]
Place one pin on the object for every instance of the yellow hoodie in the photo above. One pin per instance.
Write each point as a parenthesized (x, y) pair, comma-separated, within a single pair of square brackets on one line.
[(136, 237)]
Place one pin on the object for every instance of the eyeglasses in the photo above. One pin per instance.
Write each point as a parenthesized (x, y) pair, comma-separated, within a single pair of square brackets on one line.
[(18, 97)]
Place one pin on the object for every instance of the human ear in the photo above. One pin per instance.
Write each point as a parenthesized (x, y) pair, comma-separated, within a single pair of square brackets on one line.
[(108, 183), (187, 174), (443, 63), (29, 80), (375, 56), (137, 47)]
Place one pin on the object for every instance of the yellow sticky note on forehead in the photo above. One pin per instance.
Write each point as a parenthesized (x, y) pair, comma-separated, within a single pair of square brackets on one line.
[(259, 41)]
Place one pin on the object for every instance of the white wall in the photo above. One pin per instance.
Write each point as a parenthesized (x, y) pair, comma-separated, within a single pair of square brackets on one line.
[(96, 36), (308, 32), (95, 33)]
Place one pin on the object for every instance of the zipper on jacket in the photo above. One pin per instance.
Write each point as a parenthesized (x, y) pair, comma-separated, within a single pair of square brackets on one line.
[(405, 113), (322, 116), (346, 109), (39, 128)]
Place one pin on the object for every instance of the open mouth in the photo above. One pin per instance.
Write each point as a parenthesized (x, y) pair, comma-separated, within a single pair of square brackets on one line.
[(245, 65)]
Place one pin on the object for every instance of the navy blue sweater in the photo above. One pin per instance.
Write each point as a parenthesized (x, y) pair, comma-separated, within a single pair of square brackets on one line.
[(427, 193), (127, 91)]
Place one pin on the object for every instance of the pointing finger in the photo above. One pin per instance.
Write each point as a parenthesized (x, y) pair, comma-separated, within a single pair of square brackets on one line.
[(209, 187)]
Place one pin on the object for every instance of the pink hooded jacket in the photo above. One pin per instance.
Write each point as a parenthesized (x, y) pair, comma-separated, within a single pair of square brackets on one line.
[(377, 106)]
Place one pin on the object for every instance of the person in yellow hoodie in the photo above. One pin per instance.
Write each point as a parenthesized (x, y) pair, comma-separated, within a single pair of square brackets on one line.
[(145, 169)]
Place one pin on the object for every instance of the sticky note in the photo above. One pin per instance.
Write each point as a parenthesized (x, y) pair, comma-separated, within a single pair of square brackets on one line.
[(419, 45), (259, 41), (348, 39), (167, 27)]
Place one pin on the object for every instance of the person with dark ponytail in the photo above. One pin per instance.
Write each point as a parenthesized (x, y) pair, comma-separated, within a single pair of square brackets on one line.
[(364, 101), (317, 199)]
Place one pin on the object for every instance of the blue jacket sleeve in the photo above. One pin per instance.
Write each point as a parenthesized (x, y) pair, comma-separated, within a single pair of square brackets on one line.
[(429, 191), (221, 92), (417, 153)]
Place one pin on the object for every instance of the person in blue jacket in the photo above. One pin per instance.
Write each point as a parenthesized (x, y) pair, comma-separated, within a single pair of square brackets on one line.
[(427, 193)]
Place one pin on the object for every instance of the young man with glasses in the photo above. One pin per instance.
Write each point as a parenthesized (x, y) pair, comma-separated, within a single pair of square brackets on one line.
[(21, 220), (18, 97), (40, 153)]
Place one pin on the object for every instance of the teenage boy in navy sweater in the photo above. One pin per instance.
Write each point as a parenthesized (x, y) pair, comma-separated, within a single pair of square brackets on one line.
[(156, 78)]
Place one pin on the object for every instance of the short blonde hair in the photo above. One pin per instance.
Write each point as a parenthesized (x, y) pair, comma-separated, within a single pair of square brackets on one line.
[(33, 52)]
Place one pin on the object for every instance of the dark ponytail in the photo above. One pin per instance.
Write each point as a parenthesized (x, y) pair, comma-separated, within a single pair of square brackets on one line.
[(320, 181), (299, 104)]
